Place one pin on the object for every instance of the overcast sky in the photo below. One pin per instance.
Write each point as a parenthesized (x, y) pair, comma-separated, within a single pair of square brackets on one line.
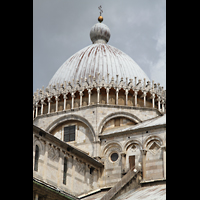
[(62, 27)]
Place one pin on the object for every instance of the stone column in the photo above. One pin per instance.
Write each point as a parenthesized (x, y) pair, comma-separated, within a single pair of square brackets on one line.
[(89, 96), (126, 93), (159, 103), (135, 94), (107, 93), (98, 92), (33, 111), (153, 100), (163, 107), (36, 109), (57, 99), (81, 99), (64, 97), (144, 152), (123, 156), (144, 93), (49, 105), (117, 92), (164, 161), (72, 95), (42, 103)]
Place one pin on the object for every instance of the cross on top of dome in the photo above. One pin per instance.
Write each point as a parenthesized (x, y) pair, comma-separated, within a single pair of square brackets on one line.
[(100, 33), (101, 11), (100, 18)]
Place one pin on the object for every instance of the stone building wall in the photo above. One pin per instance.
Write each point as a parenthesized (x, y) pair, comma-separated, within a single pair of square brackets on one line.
[(93, 124), (131, 144), (80, 179)]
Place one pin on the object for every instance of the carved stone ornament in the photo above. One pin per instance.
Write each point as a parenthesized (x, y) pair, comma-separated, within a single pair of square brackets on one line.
[(53, 154)]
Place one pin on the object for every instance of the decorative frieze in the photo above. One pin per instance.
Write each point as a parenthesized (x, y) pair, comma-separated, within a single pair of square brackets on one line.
[(44, 97)]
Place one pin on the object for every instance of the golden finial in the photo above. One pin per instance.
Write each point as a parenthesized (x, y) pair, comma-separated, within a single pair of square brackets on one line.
[(100, 18)]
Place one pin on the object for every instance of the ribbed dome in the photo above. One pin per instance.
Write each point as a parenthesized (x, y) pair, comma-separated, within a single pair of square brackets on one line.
[(98, 58)]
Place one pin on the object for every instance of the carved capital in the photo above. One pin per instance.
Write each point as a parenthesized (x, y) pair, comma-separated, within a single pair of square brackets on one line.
[(123, 154), (72, 95), (56, 98), (163, 148), (65, 96), (143, 151), (89, 91)]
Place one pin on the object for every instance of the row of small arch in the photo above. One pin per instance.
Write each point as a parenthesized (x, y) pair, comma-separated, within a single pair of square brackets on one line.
[(141, 146)]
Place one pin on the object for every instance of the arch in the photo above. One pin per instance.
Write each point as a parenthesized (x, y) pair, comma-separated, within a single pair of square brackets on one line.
[(40, 145), (111, 144), (150, 138), (117, 114), (68, 118), (127, 144)]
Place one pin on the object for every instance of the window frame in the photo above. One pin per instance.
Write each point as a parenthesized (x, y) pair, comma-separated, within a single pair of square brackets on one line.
[(63, 132), (65, 171), (36, 160), (112, 154)]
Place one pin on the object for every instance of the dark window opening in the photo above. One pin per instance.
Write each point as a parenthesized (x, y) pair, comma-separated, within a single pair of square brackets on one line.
[(40, 133), (114, 157), (65, 171), (36, 158), (69, 133), (117, 122), (91, 170), (132, 162)]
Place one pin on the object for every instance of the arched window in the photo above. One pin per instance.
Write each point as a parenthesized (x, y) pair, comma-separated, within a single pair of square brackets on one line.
[(36, 158), (65, 171)]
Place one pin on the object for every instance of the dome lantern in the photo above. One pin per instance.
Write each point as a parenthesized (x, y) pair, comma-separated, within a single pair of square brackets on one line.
[(100, 33)]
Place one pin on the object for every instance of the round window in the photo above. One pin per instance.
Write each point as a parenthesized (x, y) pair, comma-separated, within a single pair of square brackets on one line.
[(114, 157)]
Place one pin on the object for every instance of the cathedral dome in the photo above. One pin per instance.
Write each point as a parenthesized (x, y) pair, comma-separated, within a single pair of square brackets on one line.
[(98, 58)]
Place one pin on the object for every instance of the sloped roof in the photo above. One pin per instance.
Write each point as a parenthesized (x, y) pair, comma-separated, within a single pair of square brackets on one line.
[(67, 146), (157, 192), (52, 190), (155, 122)]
